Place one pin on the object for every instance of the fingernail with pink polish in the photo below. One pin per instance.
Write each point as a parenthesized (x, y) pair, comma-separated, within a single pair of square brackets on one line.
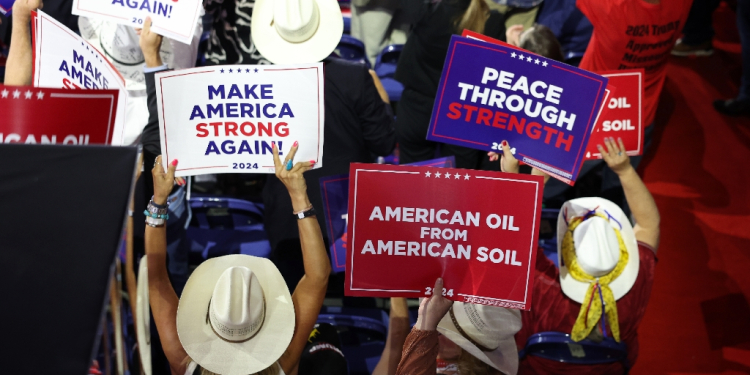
[(312, 162), (295, 144), (174, 162)]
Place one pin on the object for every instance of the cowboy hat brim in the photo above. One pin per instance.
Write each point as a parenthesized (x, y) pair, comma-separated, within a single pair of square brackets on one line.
[(504, 358), (280, 51), (620, 286), (143, 317), (222, 357)]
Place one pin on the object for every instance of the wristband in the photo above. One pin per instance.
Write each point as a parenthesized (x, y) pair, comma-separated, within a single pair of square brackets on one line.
[(310, 211)]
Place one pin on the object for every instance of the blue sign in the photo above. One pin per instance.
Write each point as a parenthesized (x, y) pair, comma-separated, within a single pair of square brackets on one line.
[(6, 6), (335, 194), (545, 109)]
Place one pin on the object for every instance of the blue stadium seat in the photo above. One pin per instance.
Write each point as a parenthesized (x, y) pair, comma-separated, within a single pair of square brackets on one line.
[(385, 68), (559, 347), (548, 234), (352, 49), (222, 226), (363, 333)]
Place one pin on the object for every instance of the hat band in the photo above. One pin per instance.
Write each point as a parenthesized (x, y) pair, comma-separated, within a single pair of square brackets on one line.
[(223, 332), (465, 335), (303, 33)]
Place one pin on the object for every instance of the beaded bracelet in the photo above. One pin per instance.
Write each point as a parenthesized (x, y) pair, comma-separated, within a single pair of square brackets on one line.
[(158, 205), (155, 215), (155, 223)]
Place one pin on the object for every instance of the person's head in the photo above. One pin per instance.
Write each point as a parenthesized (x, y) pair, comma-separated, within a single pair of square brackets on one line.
[(597, 254), (474, 17), (485, 336), (539, 39), (236, 316), (296, 31)]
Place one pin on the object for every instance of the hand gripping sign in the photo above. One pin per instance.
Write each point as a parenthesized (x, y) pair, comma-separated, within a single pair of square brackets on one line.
[(224, 119), (335, 194), (34, 115), (63, 59), (176, 19), (489, 93), (477, 230), (621, 117)]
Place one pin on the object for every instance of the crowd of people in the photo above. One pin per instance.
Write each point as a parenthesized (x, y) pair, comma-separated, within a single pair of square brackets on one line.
[(238, 314)]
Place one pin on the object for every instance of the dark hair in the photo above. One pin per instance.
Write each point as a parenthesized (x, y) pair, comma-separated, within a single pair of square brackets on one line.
[(542, 41)]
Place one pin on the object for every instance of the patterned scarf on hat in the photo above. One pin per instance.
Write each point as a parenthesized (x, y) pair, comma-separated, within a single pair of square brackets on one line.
[(598, 293)]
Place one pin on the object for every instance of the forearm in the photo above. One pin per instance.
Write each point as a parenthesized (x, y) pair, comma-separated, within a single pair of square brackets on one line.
[(420, 353), (18, 67), (315, 258), (640, 200), (160, 288)]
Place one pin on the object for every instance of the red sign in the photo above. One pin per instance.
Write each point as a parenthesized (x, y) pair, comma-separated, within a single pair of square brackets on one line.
[(477, 230), (621, 117), (56, 116)]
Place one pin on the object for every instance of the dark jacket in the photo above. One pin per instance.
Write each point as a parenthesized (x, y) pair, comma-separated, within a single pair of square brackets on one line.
[(358, 127)]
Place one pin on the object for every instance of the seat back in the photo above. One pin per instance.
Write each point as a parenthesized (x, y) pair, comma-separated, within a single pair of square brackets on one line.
[(352, 49), (222, 226), (385, 65), (548, 234), (363, 333), (560, 347)]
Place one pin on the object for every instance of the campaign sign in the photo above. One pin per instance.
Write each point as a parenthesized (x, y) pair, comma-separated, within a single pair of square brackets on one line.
[(622, 115), (6, 6), (545, 109), (34, 115), (63, 59), (171, 18), (478, 230), (335, 192), (225, 119)]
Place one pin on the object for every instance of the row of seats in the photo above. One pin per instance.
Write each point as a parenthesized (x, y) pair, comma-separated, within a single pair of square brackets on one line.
[(352, 49)]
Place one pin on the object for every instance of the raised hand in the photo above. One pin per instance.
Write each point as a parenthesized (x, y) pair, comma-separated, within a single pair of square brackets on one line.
[(433, 309), (291, 176), (614, 155), (163, 180), (23, 8), (508, 162), (150, 45)]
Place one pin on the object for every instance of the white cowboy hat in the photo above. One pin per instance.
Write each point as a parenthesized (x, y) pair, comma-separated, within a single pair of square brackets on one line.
[(143, 317), (596, 246), (296, 31), (236, 315), (486, 332)]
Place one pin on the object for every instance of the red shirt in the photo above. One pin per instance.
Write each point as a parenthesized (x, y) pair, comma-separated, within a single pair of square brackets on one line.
[(631, 34), (554, 311)]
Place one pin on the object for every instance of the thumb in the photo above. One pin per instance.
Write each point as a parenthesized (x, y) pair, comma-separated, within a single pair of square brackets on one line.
[(171, 170), (506, 151), (438, 291), (147, 26)]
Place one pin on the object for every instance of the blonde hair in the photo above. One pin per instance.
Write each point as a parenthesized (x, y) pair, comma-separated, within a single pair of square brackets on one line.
[(274, 369), (474, 17)]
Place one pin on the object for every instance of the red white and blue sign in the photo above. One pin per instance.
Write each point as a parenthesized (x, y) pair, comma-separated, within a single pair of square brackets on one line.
[(545, 109), (335, 194)]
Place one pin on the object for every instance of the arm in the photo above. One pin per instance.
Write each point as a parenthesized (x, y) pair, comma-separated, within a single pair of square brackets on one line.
[(398, 329), (421, 347), (640, 200), (379, 85), (18, 68), (162, 296), (311, 289), (375, 117)]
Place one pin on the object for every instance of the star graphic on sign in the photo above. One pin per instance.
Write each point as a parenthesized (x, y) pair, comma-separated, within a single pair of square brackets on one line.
[(247, 70), (520, 56), (39, 95), (466, 177), (437, 174), (427, 174), (222, 70), (5, 93), (447, 175), (457, 176), (230, 70), (28, 94), (536, 61), (544, 63), (513, 55), (16, 94), (256, 70), (528, 59)]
